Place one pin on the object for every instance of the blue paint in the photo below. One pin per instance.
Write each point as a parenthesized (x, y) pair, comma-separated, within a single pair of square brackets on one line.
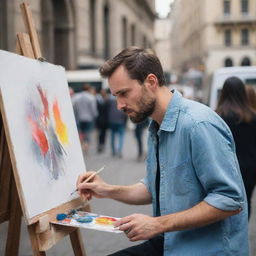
[(85, 219), (72, 212), (61, 216)]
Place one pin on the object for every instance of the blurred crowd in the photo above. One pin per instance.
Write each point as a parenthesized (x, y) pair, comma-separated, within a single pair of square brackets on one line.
[(97, 112)]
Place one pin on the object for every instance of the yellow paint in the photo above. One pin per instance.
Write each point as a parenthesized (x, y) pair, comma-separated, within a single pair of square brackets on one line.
[(60, 127)]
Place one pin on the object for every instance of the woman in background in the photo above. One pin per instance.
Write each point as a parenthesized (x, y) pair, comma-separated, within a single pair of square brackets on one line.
[(236, 111)]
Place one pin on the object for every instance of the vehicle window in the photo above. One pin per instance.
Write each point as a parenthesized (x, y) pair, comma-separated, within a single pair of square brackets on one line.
[(250, 81), (78, 86)]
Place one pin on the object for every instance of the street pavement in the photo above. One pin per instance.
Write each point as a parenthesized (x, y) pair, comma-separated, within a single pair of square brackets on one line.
[(124, 171)]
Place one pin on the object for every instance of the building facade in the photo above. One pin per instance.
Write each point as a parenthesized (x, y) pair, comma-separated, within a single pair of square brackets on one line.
[(207, 35), (81, 33)]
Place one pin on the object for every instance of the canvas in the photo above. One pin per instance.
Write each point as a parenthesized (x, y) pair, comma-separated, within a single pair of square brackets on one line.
[(42, 131)]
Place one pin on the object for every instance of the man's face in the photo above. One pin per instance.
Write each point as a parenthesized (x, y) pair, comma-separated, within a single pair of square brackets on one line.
[(136, 100)]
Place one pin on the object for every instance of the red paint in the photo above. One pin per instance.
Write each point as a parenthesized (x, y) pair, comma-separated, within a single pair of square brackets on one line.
[(39, 136), (45, 102)]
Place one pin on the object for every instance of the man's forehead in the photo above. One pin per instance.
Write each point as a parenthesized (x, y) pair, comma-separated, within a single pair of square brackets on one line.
[(119, 73), (119, 80)]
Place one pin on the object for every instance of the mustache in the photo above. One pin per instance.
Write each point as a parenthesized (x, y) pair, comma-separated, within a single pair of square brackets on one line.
[(126, 110)]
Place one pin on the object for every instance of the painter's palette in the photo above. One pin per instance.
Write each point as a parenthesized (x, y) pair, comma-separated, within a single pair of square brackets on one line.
[(91, 221)]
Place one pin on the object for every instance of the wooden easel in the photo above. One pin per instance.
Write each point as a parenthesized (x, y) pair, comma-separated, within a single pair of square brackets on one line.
[(42, 233)]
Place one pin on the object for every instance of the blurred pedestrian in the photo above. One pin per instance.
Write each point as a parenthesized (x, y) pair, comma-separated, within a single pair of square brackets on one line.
[(117, 123), (102, 119), (85, 107), (138, 132), (74, 96), (236, 111)]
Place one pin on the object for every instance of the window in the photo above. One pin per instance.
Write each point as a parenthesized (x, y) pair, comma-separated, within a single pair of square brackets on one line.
[(246, 62), (244, 6), (245, 36), (106, 32), (144, 42), (133, 39), (228, 39), (124, 28), (226, 7), (92, 27), (228, 62)]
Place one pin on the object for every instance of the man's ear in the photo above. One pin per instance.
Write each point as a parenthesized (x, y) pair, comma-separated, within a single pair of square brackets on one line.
[(151, 81)]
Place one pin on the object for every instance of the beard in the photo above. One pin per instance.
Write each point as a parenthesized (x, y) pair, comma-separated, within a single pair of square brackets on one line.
[(146, 106)]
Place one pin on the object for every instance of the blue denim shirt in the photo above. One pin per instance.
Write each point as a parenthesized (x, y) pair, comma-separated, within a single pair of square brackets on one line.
[(197, 163)]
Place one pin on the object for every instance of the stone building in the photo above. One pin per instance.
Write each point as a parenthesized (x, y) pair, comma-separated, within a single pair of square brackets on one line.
[(81, 33), (207, 34)]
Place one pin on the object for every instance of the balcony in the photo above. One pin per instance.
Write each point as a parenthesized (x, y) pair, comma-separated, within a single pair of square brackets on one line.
[(244, 19)]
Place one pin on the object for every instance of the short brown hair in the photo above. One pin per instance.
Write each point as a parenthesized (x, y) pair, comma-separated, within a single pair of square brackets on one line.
[(138, 62)]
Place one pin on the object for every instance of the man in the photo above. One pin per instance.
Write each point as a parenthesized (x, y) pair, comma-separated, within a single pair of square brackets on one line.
[(193, 179), (85, 108)]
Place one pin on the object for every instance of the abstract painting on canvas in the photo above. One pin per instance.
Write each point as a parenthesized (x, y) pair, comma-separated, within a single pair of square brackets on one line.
[(42, 130)]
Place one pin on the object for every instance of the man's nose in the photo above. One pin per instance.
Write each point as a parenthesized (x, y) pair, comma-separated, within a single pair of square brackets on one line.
[(120, 104)]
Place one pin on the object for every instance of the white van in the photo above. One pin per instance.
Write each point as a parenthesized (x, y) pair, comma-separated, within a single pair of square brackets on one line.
[(246, 74), (78, 78)]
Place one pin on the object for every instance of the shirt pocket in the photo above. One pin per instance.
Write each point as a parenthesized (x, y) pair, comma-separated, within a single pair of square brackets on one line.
[(181, 178)]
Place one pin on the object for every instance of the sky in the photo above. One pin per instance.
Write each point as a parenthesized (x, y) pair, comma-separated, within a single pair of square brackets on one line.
[(162, 7)]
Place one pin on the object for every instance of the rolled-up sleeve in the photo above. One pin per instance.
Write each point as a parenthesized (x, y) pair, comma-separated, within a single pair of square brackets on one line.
[(145, 182), (216, 166)]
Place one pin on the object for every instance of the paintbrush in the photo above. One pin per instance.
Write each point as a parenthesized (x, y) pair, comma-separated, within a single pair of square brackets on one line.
[(90, 177)]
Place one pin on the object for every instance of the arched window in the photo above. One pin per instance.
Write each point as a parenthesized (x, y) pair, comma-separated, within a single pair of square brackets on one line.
[(228, 62), (62, 30), (124, 32), (246, 62)]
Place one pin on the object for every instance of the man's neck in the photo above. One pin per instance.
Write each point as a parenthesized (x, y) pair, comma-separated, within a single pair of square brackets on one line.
[(163, 97)]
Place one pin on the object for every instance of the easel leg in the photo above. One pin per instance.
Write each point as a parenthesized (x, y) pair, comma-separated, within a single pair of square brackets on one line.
[(13, 237), (77, 243), (34, 242), (76, 238)]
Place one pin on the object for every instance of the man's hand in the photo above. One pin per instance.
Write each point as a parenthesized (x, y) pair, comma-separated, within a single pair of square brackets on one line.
[(95, 187), (139, 226)]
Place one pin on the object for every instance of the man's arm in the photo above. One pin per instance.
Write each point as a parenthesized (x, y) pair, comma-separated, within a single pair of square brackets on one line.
[(200, 215), (136, 194), (132, 194), (142, 227)]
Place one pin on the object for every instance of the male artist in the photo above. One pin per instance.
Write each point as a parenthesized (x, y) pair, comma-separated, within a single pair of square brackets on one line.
[(193, 179)]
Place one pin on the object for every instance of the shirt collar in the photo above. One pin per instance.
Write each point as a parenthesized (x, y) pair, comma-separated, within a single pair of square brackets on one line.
[(171, 115)]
